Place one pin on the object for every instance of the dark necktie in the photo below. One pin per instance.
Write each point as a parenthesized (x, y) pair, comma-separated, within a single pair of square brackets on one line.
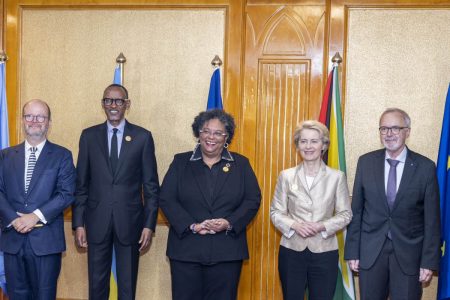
[(114, 154), (391, 189), (30, 167)]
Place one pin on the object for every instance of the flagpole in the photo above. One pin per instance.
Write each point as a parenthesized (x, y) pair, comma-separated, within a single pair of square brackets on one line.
[(121, 60), (336, 59), (216, 62), (3, 56)]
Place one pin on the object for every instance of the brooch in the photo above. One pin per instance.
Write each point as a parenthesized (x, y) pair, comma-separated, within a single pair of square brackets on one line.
[(226, 168)]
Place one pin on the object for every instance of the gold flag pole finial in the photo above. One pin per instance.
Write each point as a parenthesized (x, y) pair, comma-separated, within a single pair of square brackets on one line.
[(337, 59), (3, 56), (216, 62), (121, 60)]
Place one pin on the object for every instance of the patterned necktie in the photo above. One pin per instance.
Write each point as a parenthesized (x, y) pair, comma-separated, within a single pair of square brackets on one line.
[(30, 168), (391, 189), (114, 154)]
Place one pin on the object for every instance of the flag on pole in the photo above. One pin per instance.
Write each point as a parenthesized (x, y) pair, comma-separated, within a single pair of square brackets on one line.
[(331, 116), (215, 97), (118, 74), (443, 165), (4, 142), (113, 289)]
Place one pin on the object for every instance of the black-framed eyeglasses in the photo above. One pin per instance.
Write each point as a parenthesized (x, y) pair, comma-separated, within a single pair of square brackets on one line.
[(394, 129), (216, 134), (110, 101), (33, 118)]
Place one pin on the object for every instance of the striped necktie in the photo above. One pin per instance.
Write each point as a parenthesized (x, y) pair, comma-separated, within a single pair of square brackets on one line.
[(30, 168)]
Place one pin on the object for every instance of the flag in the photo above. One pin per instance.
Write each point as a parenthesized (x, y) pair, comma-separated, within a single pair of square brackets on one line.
[(331, 116), (214, 96), (118, 74), (443, 165), (113, 290), (4, 142)]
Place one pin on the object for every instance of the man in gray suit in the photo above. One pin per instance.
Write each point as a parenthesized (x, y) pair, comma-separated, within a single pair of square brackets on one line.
[(393, 240)]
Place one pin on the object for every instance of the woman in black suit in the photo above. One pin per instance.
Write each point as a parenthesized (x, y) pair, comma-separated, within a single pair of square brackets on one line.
[(209, 196)]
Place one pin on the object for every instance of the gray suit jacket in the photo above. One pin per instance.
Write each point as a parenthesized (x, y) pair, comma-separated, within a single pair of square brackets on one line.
[(414, 219), (327, 201)]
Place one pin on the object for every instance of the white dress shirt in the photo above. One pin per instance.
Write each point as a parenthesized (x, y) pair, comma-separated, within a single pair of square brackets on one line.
[(400, 167), (39, 147)]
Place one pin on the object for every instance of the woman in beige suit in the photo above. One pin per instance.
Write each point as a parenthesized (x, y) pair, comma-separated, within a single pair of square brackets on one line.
[(311, 203)]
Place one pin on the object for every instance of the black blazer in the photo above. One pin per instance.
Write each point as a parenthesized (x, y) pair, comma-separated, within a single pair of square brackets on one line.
[(184, 201), (51, 190), (414, 220), (131, 194)]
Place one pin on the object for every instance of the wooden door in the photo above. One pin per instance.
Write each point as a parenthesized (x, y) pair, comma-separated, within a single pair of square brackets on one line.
[(283, 78)]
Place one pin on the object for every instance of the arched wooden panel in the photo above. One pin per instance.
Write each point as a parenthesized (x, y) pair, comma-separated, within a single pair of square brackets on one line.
[(282, 86)]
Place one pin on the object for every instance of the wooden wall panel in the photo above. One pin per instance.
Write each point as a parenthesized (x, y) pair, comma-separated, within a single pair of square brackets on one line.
[(282, 86)]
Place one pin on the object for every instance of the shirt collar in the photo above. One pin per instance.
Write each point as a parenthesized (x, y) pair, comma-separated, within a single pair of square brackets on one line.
[(121, 126), (401, 157), (197, 154), (38, 146)]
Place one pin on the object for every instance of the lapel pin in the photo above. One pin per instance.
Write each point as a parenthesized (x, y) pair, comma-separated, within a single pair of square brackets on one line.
[(226, 168), (128, 138)]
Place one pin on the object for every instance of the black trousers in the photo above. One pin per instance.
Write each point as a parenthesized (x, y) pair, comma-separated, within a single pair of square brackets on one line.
[(196, 281), (99, 267), (386, 278), (32, 277), (305, 269)]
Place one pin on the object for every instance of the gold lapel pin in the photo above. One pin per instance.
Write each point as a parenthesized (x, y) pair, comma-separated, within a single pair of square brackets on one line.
[(128, 138), (226, 168)]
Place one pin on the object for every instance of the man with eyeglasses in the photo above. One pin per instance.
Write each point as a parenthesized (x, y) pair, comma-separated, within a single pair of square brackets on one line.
[(116, 197), (393, 240), (37, 182)]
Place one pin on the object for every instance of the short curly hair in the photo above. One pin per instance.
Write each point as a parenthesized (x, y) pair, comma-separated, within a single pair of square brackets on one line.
[(225, 118)]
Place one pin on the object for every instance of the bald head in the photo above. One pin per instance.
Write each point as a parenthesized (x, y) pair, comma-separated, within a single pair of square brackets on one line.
[(42, 102)]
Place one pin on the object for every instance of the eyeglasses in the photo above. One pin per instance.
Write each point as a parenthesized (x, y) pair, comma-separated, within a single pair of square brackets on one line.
[(110, 101), (216, 134), (33, 118), (394, 129)]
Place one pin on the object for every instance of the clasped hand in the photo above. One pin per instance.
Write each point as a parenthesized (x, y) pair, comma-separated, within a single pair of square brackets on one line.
[(307, 229), (25, 222), (211, 226)]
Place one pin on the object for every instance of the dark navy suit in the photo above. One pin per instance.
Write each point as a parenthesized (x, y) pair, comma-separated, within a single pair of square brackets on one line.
[(51, 190)]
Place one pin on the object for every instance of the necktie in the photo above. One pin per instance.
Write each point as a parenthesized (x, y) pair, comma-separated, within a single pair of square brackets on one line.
[(114, 154), (391, 189), (30, 168)]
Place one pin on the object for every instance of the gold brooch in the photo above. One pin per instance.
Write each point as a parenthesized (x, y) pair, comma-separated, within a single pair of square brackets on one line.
[(128, 138), (226, 168)]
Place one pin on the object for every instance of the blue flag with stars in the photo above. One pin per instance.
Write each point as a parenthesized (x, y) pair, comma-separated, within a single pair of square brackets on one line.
[(443, 166)]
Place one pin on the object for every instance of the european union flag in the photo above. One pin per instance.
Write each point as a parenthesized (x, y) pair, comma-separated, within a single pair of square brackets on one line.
[(215, 97), (443, 166), (4, 142)]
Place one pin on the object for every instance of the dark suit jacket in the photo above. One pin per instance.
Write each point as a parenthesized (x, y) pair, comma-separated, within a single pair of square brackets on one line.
[(51, 190), (413, 222), (131, 194), (184, 201)]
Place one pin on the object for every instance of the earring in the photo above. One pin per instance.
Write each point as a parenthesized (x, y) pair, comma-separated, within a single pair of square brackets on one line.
[(226, 145)]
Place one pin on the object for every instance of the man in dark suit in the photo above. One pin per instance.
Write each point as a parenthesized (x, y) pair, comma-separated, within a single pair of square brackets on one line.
[(393, 240), (37, 182), (116, 197)]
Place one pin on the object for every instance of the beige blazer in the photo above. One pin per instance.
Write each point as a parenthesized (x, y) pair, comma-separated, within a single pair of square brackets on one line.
[(327, 201)]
